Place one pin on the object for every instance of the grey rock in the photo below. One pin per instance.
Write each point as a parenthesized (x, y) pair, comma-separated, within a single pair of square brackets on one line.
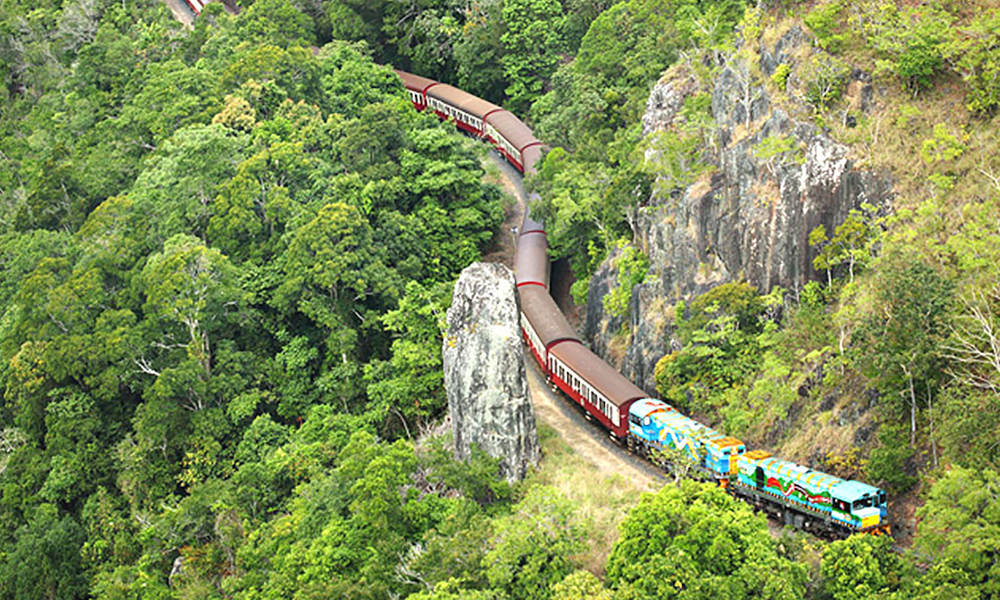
[(484, 371), (175, 571), (781, 53), (787, 44), (749, 221), (665, 102)]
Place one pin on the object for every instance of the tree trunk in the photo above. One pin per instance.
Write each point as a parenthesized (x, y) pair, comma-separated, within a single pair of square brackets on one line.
[(930, 412), (913, 406)]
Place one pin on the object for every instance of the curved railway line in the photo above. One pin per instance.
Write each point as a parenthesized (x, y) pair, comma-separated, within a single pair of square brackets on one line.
[(795, 494)]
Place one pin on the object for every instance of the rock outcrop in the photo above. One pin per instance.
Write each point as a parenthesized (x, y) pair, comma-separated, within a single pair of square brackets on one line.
[(484, 371), (749, 218)]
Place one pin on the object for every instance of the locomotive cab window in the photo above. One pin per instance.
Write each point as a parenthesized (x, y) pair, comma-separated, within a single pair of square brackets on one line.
[(881, 498), (634, 419), (840, 505)]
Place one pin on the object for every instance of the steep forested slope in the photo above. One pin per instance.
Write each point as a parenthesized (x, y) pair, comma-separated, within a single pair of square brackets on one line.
[(224, 255), (874, 360)]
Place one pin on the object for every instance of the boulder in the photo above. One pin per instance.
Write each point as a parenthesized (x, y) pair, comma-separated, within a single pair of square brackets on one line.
[(484, 372)]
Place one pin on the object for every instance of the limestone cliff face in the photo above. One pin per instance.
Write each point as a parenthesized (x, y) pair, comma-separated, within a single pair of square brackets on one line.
[(484, 371), (749, 219)]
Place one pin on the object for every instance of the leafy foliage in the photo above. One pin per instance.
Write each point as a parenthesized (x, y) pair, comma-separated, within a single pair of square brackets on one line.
[(230, 237), (888, 463), (598, 174), (532, 548), (695, 540), (532, 44), (910, 41), (958, 526), (723, 333), (862, 566), (824, 78), (632, 268), (824, 23), (973, 54)]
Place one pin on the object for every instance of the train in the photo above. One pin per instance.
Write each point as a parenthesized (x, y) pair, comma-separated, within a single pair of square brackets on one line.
[(197, 6), (477, 117), (795, 494)]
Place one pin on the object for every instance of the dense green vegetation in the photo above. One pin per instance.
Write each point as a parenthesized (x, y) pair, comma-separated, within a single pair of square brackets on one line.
[(898, 336), (224, 258), (225, 252)]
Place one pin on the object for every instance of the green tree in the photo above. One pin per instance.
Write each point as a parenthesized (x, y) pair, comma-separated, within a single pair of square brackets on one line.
[(407, 391), (889, 462), (723, 333), (533, 548), (959, 526), (972, 53), (970, 408), (193, 286), (901, 338), (44, 561), (911, 42), (862, 566), (478, 51), (533, 43), (453, 590), (632, 267), (580, 585), (275, 22), (850, 245), (695, 541)]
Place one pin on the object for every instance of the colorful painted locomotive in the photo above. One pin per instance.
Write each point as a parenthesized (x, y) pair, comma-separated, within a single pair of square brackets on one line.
[(817, 500), (798, 495), (655, 425)]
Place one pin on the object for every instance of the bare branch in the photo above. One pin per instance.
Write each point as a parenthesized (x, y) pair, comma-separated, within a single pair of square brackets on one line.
[(144, 366)]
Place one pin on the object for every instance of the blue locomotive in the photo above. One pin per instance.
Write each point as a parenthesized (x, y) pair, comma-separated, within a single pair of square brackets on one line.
[(800, 496)]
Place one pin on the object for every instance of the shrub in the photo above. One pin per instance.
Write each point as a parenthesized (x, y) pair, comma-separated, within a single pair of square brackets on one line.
[(823, 21), (911, 43), (944, 146), (780, 76), (632, 267), (773, 150), (975, 54), (824, 78)]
